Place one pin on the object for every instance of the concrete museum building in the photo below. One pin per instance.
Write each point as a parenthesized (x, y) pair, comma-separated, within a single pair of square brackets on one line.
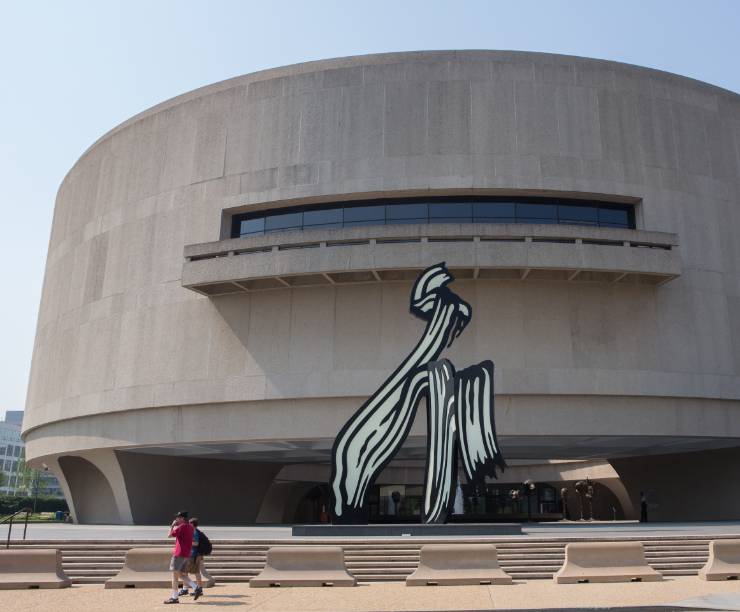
[(229, 272)]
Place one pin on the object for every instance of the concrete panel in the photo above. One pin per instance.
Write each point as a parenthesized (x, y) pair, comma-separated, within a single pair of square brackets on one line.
[(362, 122), (352, 330), (449, 117), (620, 127), (492, 108), (263, 134), (578, 122), (691, 136), (536, 119), (405, 130), (321, 113)]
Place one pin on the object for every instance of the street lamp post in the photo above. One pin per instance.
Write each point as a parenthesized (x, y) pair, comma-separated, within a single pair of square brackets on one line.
[(529, 488), (36, 474)]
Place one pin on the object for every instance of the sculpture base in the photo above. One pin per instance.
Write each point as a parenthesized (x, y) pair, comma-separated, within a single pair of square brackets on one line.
[(408, 529)]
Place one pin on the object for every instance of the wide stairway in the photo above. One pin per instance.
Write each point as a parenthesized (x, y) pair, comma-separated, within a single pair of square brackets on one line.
[(94, 561)]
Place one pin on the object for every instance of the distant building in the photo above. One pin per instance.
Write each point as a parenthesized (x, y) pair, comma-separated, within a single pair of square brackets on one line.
[(12, 451)]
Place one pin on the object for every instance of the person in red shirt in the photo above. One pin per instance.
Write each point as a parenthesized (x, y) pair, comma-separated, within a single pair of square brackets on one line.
[(182, 531)]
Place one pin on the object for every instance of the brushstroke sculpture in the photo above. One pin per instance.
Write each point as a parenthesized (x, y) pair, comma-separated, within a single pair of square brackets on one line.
[(459, 405)]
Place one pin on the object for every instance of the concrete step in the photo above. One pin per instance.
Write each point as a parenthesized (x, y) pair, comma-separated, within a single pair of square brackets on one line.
[(235, 565), (232, 554), (238, 560), (84, 565), (93, 558), (676, 553), (678, 559), (531, 575), (519, 569), (401, 558), (684, 546), (367, 571), (540, 557), (529, 562), (381, 551), (87, 580), (234, 558)]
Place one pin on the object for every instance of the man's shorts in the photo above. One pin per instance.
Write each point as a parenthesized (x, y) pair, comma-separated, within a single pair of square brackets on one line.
[(178, 564), (194, 564)]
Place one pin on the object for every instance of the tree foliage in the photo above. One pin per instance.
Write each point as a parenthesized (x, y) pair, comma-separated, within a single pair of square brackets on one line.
[(13, 503)]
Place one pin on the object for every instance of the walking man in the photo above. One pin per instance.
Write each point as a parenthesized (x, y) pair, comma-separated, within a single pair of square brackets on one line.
[(201, 546), (182, 531)]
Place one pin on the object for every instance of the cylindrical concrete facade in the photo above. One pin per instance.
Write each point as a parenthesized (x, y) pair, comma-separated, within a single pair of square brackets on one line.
[(617, 351)]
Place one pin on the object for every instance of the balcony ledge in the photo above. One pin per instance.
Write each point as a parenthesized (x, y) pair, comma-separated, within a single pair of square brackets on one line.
[(388, 253)]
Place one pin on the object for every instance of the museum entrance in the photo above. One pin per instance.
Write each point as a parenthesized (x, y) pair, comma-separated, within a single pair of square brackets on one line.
[(492, 502)]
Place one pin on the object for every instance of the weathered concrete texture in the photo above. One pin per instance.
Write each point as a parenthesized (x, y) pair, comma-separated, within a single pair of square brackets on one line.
[(125, 356)]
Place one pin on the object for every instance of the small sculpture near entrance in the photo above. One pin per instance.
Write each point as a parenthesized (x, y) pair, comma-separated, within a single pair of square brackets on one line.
[(460, 413)]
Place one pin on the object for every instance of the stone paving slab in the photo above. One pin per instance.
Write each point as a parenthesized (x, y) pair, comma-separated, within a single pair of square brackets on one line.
[(715, 601), (390, 597)]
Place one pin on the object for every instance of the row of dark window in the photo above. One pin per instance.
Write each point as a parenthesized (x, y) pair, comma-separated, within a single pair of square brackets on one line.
[(438, 210), (11, 451)]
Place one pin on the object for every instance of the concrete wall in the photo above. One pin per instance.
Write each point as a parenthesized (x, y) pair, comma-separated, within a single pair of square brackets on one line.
[(92, 495), (120, 340), (217, 491), (699, 486)]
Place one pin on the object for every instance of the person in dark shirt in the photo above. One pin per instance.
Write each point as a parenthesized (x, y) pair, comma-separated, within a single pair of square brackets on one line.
[(195, 564), (643, 508), (182, 531)]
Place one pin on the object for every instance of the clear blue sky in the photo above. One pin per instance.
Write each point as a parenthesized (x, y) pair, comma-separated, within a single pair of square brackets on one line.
[(72, 70)]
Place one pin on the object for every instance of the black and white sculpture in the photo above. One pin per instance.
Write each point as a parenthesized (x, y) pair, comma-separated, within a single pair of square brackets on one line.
[(459, 406)]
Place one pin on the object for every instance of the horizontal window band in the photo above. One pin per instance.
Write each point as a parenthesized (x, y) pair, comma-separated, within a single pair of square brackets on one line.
[(458, 210)]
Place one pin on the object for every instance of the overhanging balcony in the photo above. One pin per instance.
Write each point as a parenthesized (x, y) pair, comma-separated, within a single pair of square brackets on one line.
[(566, 253)]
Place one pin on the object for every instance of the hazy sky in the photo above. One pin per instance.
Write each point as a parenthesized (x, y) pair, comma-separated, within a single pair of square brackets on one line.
[(70, 71)]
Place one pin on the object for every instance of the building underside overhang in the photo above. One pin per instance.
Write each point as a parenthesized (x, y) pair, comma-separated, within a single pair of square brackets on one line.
[(535, 448)]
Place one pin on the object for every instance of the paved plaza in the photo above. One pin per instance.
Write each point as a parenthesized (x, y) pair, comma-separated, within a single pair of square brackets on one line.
[(58, 531), (382, 597)]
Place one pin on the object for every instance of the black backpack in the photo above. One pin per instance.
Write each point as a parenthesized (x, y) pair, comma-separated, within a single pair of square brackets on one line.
[(204, 544)]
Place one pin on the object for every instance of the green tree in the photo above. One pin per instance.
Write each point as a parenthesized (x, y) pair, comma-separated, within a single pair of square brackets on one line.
[(29, 479), (3, 478)]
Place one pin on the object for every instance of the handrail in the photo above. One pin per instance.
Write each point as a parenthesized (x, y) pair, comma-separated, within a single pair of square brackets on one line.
[(312, 239), (317, 238), (9, 520)]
